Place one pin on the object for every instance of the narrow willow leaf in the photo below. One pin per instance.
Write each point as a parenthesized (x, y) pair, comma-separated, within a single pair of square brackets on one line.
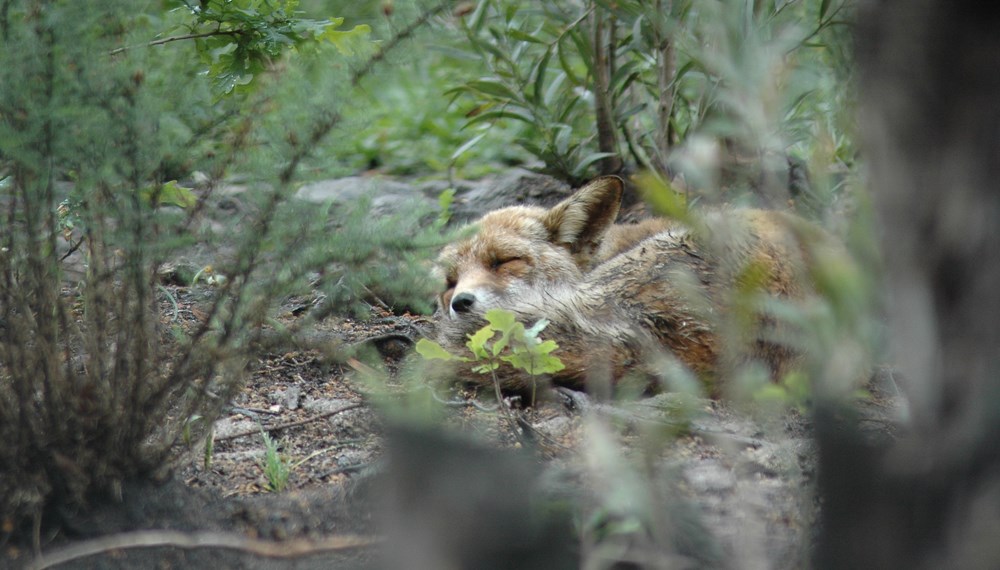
[(508, 112), (467, 145)]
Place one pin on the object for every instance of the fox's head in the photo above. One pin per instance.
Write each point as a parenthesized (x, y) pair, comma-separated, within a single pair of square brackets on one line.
[(524, 247)]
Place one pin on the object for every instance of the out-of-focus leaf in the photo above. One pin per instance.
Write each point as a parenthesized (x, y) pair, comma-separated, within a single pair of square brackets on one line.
[(169, 194), (824, 7), (539, 84), (662, 197), (433, 351), (581, 167), (500, 319), (347, 42), (493, 88), (508, 112), (523, 36), (467, 145)]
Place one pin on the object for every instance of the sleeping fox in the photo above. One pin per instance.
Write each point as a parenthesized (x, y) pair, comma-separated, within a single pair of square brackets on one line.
[(618, 295)]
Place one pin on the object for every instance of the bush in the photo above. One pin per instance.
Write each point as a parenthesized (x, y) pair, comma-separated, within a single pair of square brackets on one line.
[(96, 388), (722, 92)]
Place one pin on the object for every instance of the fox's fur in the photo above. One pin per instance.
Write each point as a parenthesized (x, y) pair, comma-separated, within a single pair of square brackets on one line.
[(616, 294)]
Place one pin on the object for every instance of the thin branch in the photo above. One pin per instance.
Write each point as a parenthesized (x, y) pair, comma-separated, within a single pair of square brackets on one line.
[(74, 247), (395, 40), (288, 425), (162, 41), (296, 548)]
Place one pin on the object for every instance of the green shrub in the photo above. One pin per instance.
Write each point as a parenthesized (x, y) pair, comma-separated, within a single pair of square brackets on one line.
[(603, 86), (96, 388)]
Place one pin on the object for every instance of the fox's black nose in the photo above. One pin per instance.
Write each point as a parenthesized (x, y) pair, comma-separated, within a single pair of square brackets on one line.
[(462, 303)]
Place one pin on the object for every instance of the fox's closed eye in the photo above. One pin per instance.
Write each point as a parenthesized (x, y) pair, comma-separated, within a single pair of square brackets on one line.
[(504, 261)]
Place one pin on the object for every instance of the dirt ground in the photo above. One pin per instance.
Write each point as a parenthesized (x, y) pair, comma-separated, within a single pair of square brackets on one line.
[(748, 481), (367, 489)]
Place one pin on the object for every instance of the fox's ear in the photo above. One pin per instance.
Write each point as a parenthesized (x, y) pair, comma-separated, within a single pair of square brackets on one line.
[(580, 221)]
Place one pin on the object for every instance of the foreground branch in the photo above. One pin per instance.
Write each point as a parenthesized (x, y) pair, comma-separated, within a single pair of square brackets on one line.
[(288, 425), (189, 540)]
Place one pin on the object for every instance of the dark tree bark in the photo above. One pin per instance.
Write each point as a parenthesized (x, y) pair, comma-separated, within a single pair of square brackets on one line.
[(931, 126), (603, 105)]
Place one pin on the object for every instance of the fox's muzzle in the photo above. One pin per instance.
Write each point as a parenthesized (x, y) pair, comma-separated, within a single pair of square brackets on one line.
[(462, 303)]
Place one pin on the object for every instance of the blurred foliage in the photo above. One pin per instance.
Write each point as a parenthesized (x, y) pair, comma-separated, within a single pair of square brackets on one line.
[(107, 172), (237, 40)]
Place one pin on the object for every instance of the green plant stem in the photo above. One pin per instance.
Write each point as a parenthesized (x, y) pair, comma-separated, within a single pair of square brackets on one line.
[(512, 423), (173, 300)]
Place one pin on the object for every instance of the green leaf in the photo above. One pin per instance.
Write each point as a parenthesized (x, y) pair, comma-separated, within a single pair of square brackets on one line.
[(523, 36), (554, 89), (506, 113), (477, 341), (501, 320), (568, 108), (169, 194), (543, 64), (172, 194), (466, 146), (824, 6), (567, 67), (501, 343), (510, 12), (445, 199), (347, 42), (475, 21), (581, 167), (662, 197), (583, 49), (684, 70), (486, 367), (562, 138), (536, 363), (623, 76), (546, 347), (493, 88), (434, 351)]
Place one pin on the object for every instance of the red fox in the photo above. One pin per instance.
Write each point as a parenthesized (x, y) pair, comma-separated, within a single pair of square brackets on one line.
[(615, 294)]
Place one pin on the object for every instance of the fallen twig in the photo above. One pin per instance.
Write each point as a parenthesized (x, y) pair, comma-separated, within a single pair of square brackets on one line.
[(153, 538), (338, 470), (288, 425)]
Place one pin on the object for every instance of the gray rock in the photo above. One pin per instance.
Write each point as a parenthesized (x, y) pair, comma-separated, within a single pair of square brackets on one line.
[(513, 187), (387, 196)]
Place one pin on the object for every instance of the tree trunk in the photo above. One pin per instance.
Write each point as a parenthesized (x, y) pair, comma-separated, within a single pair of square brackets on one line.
[(931, 127), (606, 139)]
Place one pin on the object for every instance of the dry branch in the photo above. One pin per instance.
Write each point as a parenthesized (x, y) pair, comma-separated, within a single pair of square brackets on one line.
[(288, 425), (188, 540)]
